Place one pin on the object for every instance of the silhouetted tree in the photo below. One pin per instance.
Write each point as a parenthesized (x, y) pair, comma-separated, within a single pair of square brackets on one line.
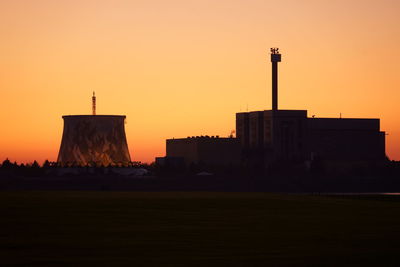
[(35, 165), (46, 164), (7, 164)]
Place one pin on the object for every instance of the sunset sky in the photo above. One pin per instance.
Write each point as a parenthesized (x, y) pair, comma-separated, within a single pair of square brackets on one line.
[(184, 68)]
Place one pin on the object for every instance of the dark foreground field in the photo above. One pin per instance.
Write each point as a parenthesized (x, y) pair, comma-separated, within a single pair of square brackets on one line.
[(197, 229)]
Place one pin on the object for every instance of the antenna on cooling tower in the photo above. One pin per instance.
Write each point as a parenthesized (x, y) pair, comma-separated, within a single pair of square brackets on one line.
[(94, 104)]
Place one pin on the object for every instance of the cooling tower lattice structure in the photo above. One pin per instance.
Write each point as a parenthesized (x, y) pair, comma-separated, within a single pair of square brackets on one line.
[(94, 140)]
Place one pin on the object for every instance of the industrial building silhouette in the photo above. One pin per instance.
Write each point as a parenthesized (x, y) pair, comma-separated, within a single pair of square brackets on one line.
[(275, 135)]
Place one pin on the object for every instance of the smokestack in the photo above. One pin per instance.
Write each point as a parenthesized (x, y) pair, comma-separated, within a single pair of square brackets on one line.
[(275, 58)]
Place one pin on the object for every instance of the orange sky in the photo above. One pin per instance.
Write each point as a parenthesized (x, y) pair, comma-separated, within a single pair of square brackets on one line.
[(180, 68)]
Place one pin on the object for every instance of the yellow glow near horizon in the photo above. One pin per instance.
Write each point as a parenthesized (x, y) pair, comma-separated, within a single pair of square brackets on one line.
[(183, 68)]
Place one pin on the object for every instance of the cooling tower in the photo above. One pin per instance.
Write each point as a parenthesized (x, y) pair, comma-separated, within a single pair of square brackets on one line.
[(94, 140)]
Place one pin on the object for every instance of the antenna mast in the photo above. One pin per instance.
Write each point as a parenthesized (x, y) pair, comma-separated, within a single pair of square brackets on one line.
[(94, 104)]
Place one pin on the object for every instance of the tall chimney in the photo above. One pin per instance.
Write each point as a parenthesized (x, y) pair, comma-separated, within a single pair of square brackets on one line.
[(275, 58)]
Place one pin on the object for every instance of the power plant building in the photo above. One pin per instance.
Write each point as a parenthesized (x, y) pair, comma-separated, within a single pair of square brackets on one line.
[(277, 134)]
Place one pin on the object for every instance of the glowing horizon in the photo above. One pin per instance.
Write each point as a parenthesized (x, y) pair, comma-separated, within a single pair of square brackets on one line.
[(184, 68)]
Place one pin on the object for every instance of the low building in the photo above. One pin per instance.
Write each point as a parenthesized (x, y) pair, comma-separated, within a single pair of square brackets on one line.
[(207, 150), (170, 162)]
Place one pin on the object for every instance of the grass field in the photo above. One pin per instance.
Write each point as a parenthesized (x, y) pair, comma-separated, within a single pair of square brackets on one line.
[(196, 229)]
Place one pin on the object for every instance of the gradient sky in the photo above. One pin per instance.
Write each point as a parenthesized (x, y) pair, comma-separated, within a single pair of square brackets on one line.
[(183, 68)]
